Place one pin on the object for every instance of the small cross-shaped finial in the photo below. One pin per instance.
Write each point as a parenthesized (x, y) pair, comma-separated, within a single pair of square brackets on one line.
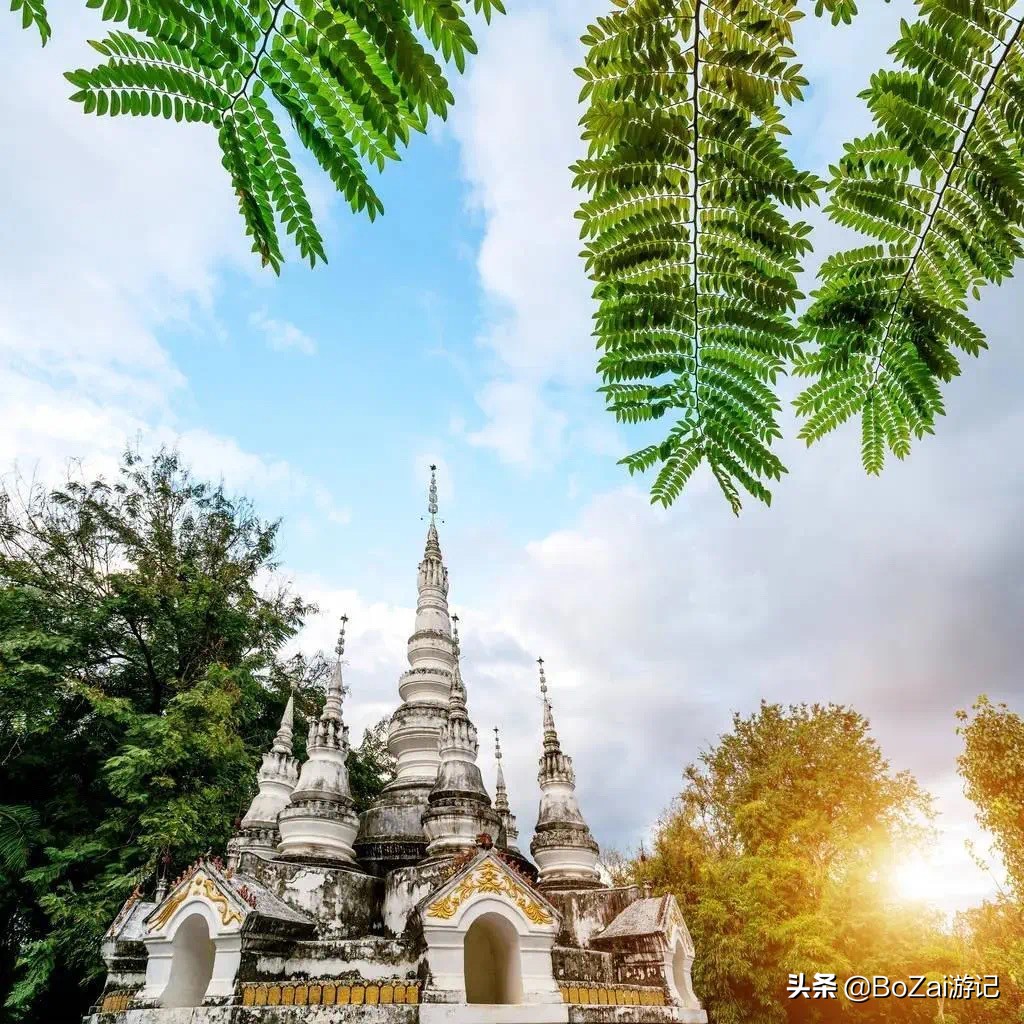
[(339, 647), (497, 744), (543, 681), (455, 629)]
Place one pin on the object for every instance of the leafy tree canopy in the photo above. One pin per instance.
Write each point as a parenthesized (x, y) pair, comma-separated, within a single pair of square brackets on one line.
[(141, 675), (992, 766), (777, 849)]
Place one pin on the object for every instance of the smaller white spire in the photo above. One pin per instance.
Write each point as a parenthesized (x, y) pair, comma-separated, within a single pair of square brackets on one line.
[(276, 779), (563, 847), (458, 807), (283, 739), (501, 793), (501, 804), (320, 819), (550, 734), (336, 684)]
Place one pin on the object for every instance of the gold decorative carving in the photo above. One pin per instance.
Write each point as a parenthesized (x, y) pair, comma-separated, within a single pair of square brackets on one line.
[(204, 887), (488, 879)]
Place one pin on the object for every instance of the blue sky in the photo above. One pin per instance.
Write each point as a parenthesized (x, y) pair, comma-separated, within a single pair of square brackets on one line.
[(456, 329)]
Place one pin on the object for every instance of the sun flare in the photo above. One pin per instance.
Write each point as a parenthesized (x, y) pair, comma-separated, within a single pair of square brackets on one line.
[(922, 878)]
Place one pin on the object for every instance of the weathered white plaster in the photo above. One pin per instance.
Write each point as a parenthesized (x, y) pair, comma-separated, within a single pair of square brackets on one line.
[(678, 969), (469, 1013), (305, 884)]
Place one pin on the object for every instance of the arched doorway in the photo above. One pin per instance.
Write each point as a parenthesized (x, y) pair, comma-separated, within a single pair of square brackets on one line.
[(491, 961), (681, 973), (191, 963)]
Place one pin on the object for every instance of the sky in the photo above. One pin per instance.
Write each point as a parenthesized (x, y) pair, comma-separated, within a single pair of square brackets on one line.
[(456, 330)]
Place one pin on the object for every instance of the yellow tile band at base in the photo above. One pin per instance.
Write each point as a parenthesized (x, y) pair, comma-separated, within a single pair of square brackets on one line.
[(612, 995), (312, 993), (115, 1002)]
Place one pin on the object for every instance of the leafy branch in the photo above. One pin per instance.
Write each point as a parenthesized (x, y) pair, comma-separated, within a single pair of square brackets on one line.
[(354, 77), (694, 261), (940, 186)]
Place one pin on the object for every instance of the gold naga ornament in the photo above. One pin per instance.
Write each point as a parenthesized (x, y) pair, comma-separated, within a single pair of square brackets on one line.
[(204, 887), (488, 879)]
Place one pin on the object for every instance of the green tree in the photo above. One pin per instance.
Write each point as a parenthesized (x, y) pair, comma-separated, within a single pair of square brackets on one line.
[(371, 765), (141, 676), (992, 767), (777, 849)]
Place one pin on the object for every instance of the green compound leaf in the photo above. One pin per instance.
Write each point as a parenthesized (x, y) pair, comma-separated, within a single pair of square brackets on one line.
[(354, 77), (940, 187), (693, 259)]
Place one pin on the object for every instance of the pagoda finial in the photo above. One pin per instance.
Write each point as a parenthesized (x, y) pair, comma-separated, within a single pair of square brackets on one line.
[(550, 735), (457, 693), (432, 493), (335, 685), (501, 804), (500, 792)]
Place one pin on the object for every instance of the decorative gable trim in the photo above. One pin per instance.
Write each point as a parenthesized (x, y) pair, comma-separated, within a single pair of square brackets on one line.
[(201, 882), (487, 875)]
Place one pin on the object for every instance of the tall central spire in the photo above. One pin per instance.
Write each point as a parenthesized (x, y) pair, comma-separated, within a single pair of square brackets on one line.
[(391, 832)]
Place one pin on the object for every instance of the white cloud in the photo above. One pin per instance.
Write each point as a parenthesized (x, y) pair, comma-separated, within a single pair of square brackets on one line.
[(516, 121), (282, 336), (120, 231)]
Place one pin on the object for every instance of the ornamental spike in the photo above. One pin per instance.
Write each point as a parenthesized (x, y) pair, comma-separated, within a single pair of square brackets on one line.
[(550, 735), (501, 794), (335, 685), (432, 492), (283, 739)]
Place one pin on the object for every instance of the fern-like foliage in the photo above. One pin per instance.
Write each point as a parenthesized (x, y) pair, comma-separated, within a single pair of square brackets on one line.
[(354, 77), (940, 188), (694, 260)]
